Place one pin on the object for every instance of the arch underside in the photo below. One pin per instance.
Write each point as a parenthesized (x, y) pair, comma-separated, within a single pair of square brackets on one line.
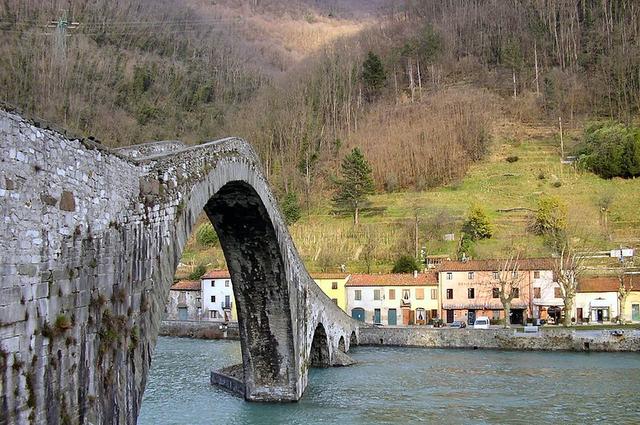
[(261, 290)]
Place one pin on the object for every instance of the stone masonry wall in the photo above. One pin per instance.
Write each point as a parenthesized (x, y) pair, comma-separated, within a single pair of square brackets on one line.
[(503, 339)]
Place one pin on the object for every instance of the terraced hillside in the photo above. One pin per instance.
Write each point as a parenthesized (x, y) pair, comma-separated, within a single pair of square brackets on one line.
[(507, 191)]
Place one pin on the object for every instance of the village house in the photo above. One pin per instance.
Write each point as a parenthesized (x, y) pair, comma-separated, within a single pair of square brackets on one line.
[(393, 299), (597, 299), (333, 284), (218, 303), (184, 301), (471, 288)]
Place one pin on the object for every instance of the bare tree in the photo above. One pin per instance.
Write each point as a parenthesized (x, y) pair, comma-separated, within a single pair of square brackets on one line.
[(626, 285), (369, 247), (509, 279), (568, 267)]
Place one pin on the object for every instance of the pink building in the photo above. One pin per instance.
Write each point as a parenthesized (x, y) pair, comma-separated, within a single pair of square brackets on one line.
[(471, 288)]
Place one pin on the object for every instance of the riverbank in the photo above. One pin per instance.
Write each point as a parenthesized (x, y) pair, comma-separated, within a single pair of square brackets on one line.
[(503, 339), (199, 330)]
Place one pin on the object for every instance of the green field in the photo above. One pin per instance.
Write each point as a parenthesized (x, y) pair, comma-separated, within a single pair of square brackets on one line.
[(327, 241)]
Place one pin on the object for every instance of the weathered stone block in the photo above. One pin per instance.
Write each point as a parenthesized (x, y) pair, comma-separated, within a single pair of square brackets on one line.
[(67, 201)]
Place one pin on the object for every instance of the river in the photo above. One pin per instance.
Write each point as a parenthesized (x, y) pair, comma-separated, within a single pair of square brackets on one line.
[(404, 385)]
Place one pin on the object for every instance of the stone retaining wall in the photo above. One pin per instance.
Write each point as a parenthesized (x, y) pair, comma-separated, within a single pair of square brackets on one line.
[(224, 378), (502, 339), (198, 330)]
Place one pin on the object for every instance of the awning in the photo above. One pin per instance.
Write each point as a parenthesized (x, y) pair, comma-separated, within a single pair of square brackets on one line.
[(600, 303)]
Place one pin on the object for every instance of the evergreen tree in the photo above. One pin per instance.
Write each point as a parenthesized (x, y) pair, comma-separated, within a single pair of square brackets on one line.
[(291, 208), (354, 186), (405, 264), (373, 74)]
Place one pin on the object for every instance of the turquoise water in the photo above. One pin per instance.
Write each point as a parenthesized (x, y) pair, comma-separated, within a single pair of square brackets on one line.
[(404, 385)]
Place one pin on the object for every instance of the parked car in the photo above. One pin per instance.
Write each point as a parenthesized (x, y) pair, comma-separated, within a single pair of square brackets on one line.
[(458, 324), (482, 322)]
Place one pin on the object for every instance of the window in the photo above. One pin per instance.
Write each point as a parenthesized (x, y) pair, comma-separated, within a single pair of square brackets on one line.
[(406, 294), (376, 294), (449, 275), (434, 314), (495, 293), (226, 283), (536, 274), (335, 301), (213, 314), (449, 294), (496, 314), (213, 283), (536, 293), (557, 293), (392, 294), (471, 293), (434, 294), (213, 298), (357, 294), (419, 293), (470, 275), (515, 292), (334, 285), (496, 275)]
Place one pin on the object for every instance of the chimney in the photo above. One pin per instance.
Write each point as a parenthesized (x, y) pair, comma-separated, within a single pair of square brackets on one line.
[(415, 274)]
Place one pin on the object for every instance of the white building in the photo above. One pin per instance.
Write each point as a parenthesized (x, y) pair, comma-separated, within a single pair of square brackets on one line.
[(547, 296), (218, 303), (184, 301), (597, 299)]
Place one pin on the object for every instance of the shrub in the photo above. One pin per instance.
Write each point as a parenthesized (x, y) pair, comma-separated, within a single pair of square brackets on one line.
[(550, 219), (612, 150), (405, 264), (556, 183), (477, 225), (198, 272), (206, 235), (512, 158), (541, 175)]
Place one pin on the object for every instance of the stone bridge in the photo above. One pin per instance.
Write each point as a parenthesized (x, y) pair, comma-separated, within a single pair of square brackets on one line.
[(89, 242)]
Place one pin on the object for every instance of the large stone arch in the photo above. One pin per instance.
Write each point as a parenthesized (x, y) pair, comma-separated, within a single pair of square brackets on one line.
[(93, 241), (320, 355)]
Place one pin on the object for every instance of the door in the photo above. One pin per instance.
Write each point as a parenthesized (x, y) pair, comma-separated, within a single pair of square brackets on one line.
[(599, 315), (635, 312), (517, 317), (227, 301), (358, 314), (376, 315), (182, 313), (471, 317), (393, 317), (449, 316), (579, 313), (406, 316)]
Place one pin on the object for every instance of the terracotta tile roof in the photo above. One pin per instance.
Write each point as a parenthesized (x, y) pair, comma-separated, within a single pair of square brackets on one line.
[(217, 274), (186, 285), (336, 275), (423, 279), (607, 283), (495, 265)]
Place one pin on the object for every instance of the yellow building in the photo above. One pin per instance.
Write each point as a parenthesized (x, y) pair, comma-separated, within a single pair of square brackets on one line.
[(632, 306), (333, 284)]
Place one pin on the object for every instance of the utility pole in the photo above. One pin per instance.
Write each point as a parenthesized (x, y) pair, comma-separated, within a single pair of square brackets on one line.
[(561, 145), (60, 35)]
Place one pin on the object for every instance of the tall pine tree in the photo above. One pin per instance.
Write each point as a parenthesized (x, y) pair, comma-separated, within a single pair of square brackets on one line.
[(373, 74), (354, 185)]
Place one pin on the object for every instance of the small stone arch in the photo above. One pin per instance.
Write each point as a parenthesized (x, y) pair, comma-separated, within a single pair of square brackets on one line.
[(341, 346), (319, 356), (353, 341)]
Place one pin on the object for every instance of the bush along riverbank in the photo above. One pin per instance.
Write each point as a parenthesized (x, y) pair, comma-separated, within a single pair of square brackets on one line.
[(504, 339)]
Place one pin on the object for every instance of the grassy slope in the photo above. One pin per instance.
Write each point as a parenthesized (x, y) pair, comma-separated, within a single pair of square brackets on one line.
[(494, 184)]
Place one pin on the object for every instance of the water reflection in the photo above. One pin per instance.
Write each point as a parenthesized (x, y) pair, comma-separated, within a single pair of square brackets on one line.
[(404, 385)]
